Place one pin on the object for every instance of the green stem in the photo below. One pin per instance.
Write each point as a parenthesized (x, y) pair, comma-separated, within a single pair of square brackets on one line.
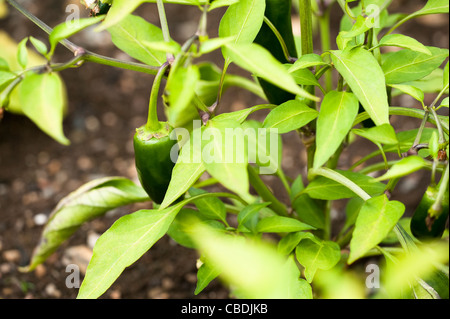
[(443, 184), (335, 176), (305, 12), (132, 66), (439, 126), (381, 166), (263, 191), (86, 55), (410, 112), (164, 26), (153, 123), (205, 195), (324, 23), (284, 181), (280, 38)]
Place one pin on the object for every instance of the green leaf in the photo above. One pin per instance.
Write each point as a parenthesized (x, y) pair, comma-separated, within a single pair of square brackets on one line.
[(254, 269), (205, 275), (242, 21), (412, 91), (444, 102), (327, 189), (163, 46), (307, 61), (365, 77), (317, 254), (122, 8), (241, 115), (375, 220), (6, 78), (248, 217), (188, 168), (118, 11), (290, 116), (403, 41), (181, 227), (434, 7), (406, 65), (419, 263), (214, 44), (288, 243), (337, 114), (211, 207), (225, 157), (307, 209), (264, 147), (446, 75), (280, 224), (88, 202), (254, 58), (221, 3), (39, 46), (4, 66), (43, 100), (304, 77), (405, 166), (65, 30), (384, 134), (22, 53), (132, 35), (180, 90), (121, 245)]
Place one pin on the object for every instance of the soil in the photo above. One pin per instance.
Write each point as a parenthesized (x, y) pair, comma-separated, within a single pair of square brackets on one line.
[(105, 107)]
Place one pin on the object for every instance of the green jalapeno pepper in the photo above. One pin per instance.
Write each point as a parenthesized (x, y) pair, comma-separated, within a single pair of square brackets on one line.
[(153, 161), (427, 223), (155, 152)]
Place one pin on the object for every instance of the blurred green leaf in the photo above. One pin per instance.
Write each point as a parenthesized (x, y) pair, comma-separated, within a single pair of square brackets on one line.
[(43, 100), (254, 269), (22, 53), (67, 29)]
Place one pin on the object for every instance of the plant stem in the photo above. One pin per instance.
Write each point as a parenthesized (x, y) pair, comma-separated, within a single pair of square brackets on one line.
[(164, 26), (405, 111), (306, 29), (305, 12), (263, 191), (153, 121), (126, 65), (86, 55), (335, 176), (443, 184), (324, 23), (279, 37)]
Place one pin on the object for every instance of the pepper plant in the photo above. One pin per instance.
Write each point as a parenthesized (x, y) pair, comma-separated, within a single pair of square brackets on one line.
[(259, 245)]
